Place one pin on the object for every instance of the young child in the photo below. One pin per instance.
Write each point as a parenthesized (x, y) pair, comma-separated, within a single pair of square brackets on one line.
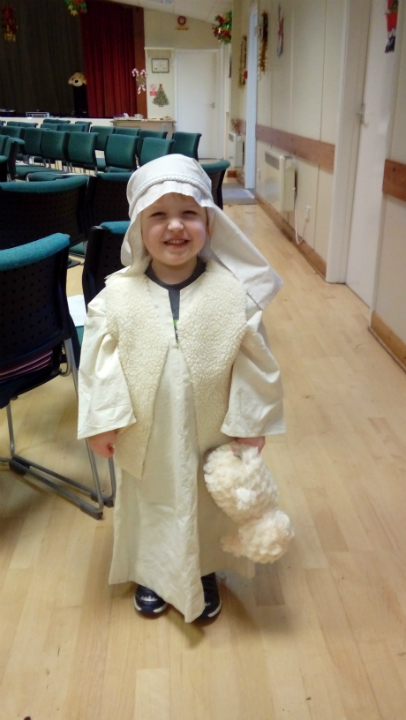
[(174, 363)]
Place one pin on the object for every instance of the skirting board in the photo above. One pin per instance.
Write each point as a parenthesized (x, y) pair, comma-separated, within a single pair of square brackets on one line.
[(388, 339), (311, 256)]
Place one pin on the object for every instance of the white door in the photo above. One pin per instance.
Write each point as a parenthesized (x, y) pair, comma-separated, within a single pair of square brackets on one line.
[(198, 104), (372, 151)]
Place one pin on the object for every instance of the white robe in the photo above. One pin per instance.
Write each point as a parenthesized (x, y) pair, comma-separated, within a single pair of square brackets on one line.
[(167, 528)]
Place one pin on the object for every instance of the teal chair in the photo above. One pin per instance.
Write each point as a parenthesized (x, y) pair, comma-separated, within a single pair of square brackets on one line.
[(14, 131), (76, 127), (153, 148), (20, 123), (86, 123), (103, 132), (216, 172), (10, 147), (82, 150), (32, 210), (120, 153), (32, 146), (160, 134), (126, 131), (54, 147), (186, 144), (38, 342)]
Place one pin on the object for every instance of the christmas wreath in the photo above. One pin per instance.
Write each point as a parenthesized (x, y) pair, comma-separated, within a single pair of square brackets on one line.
[(222, 31), (76, 6)]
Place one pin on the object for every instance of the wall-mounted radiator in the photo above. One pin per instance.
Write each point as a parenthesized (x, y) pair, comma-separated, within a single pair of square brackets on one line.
[(235, 149), (279, 181)]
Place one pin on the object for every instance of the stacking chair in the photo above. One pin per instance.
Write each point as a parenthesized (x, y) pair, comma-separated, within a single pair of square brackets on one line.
[(106, 198), (36, 334), (103, 132), (63, 126), (120, 153), (51, 123), (86, 124), (82, 150), (216, 172), (102, 256), (153, 148), (54, 147), (32, 145), (9, 150), (126, 131), (21, 123), (76, 127), (14, 131), (186, 144), (33, 210), (148, 133)]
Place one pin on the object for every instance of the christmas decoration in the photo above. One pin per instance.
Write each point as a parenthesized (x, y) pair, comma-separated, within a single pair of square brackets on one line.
[(8, 23), (140, 80), (279, 47), (263, 39), (391, 23), (76, 6), (242, 71), (222, 31), (160, 98)]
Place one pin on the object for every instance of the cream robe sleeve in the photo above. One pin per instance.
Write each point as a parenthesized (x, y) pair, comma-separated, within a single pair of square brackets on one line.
[(104, 400), (256, 404)]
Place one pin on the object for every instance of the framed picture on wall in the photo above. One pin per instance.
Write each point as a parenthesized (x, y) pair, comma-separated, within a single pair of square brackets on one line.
[(160, 65)]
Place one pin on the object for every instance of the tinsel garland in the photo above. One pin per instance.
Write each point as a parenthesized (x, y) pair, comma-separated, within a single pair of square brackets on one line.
[(263, 38), (76, 6), (242, 71), (8, 23)]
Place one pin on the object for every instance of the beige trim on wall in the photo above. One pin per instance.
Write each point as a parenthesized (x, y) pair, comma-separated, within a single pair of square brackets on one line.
[(394, 179), (313, 151), (388, 339)]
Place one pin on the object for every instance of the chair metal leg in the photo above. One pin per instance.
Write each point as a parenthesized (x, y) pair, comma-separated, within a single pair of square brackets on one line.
[(24, 466), (71, 368)]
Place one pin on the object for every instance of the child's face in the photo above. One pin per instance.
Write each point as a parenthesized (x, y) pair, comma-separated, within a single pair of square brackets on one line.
[(174, 229)]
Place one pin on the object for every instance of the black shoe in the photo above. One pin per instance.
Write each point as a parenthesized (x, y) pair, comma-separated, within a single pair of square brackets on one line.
[(147, 602), (212, 598)]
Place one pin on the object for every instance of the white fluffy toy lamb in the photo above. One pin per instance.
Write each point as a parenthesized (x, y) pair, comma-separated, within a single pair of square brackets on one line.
[(242, 486)]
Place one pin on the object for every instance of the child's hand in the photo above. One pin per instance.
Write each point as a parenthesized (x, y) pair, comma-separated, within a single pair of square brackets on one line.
[(257, 442), (103, 443)]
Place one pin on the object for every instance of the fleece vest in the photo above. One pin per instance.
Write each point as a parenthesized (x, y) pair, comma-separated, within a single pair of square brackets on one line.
[(210, 331)]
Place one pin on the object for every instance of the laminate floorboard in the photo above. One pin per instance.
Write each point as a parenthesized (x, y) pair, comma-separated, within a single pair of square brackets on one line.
[(320, 635)]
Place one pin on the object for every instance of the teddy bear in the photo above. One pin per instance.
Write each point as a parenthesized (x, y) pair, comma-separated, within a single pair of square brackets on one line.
[(79, 82), (243, 487)]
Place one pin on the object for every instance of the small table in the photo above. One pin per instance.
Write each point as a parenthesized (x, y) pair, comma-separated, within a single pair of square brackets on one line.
[(153, 124)]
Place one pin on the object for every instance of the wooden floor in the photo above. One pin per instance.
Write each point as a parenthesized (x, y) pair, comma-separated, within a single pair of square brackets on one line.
[(321, 635)]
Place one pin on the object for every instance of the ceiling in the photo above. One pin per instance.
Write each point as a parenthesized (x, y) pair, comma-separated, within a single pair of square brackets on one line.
[(199, 9)]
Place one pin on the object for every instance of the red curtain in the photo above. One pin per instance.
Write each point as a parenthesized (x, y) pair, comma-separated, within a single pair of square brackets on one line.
[(108, 52)]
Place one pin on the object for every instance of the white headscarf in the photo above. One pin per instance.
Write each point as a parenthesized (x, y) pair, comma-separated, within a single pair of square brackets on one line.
[(227, 244)]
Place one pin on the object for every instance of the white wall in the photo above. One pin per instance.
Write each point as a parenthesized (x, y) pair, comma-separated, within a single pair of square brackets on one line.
[(298, 93)]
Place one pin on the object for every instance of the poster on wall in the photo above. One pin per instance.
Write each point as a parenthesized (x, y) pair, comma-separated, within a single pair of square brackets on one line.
[(391, 23)]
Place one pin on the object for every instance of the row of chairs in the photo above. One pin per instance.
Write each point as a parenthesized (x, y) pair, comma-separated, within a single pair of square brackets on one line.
[(121, 151), (72, 204)]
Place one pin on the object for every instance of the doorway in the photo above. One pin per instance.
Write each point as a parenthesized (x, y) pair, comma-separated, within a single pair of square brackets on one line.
[(199, 105), (372, 150)]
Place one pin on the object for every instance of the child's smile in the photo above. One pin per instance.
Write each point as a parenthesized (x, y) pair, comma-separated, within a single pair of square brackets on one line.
[(174, 230)]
